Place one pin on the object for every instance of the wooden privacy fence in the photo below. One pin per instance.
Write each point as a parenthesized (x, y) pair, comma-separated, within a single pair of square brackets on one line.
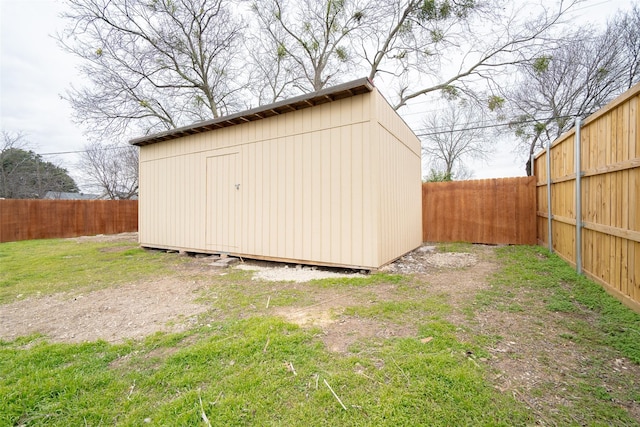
[(599, 230), (42, 219), (493, 211)]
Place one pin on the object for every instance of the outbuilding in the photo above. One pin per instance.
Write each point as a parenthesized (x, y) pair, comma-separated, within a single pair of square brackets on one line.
[(328, 178)]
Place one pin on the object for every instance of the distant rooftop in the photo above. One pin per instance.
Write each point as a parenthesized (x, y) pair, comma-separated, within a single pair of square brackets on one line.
[(61, 195)]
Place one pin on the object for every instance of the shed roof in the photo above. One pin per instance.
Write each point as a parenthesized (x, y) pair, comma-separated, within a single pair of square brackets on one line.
[(334, 93)]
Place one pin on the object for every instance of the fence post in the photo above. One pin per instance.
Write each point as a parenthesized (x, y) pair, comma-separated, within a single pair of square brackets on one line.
[(550, 216), (578, 198), (532, 159)]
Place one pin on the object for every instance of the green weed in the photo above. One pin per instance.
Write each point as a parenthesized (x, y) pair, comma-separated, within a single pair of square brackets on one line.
[(455, 247), (367, 280)]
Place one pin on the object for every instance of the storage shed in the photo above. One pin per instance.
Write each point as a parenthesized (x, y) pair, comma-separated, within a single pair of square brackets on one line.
[(328, 178)]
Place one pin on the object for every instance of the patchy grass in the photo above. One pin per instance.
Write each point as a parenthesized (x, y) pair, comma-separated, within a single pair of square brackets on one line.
[(561, 289), (258, 371), (404, 312), (455, 247), (570, 334), (240, 365), (367, 280), (48, 266)]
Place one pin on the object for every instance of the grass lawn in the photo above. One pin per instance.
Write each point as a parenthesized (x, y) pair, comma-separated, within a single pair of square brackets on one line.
[(42, 267), (252, 367)]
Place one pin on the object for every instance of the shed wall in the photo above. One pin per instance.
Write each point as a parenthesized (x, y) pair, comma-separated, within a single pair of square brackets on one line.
[(305, 180), (327, 185), (398, 184)]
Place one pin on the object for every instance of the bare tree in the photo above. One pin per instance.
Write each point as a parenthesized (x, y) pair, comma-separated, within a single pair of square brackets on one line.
[(164, 63), (628, 27), (111, 170), (414, 47), (273, 75), (313, 37), (157, 64), (452, 136), (572, 80), (421, 47)]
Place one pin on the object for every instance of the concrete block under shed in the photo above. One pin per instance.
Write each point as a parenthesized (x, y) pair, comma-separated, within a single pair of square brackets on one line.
[(225, 262)]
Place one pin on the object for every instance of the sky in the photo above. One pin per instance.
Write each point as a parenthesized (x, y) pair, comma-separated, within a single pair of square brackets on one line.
[(35, 72)]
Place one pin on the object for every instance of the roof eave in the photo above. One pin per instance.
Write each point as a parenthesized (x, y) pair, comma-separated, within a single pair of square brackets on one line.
[(334, 93)]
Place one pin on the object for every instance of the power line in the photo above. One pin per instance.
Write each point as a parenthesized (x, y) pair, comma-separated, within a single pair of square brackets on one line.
[(588, 6), (124, 147), (493, 125), (437, 132)]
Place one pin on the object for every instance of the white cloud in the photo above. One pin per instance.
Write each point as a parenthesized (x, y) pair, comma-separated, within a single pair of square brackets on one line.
[(34, 72)]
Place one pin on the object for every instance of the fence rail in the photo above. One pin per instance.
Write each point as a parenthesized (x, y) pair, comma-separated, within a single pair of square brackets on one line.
[(492, 211), (588, 194), (42, 219)]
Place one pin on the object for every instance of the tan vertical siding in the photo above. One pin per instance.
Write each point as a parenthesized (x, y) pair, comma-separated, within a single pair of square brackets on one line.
[(369, 216), (399, 184), (400, 225), (297, 180), (356, 233), (145, 198), (306, 184), (311, 207), (346, 192), (309, 187), (324, 194)]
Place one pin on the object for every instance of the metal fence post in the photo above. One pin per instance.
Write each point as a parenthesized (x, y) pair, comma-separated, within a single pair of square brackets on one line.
[(550, 216), (578, 198)]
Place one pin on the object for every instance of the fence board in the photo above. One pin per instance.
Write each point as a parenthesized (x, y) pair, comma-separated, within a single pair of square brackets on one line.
[(610, 170), (43, 219), (492, 211)]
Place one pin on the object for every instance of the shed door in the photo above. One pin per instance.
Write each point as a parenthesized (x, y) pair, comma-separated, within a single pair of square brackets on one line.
[(223, 197)]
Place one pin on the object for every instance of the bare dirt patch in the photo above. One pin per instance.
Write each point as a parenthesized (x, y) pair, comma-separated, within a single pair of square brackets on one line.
[(324, 308), (457, 275), (321, 307), (454, 275), (339, 336), (426, 259), (131, 237), (339, 332), (536, 360), (134, 311), (130, 311)]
